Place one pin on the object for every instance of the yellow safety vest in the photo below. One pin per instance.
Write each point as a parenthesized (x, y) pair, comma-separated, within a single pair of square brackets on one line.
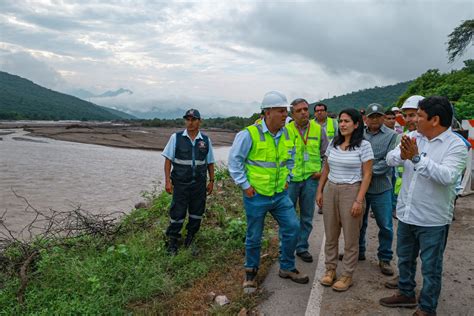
[(307, 157), (266, 165), (330, 130)]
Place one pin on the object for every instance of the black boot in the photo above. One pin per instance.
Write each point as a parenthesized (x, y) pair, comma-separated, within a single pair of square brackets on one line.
[(188, 243), (172, 246), (189, 240)]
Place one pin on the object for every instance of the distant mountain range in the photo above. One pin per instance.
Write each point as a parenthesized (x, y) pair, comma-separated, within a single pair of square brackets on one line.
[(386, 96), (21, 98), (86, 95)]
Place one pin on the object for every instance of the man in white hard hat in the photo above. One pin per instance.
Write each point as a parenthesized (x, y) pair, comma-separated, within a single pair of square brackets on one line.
[(259, 162), (409, 108)]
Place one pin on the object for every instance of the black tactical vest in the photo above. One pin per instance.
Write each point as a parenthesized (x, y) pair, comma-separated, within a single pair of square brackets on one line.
[(189, 163)]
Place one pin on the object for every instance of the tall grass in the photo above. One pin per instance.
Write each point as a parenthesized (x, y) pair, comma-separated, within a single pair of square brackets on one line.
[(95, 276)]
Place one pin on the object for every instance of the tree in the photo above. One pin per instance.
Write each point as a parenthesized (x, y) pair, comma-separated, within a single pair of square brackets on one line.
[(459, 39)]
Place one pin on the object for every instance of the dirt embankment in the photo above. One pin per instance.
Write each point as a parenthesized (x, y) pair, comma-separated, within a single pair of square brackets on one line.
[(153, 138)]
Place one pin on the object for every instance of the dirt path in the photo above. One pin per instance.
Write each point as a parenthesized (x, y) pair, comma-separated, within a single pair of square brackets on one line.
[(457, 294)]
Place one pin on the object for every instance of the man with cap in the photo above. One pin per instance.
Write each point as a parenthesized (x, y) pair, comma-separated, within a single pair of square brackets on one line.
[(311, 143), (189, 157), (379, 195), (260, 161), (321, 117)]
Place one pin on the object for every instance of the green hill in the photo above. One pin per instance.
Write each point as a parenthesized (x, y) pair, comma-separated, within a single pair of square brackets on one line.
[(22, 99), (457, 86), (386, 96)]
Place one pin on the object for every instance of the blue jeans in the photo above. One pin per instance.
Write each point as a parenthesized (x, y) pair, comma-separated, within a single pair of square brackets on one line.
[(304, 192), (282, 210), (429, 243), (394, 196), (381, 205)]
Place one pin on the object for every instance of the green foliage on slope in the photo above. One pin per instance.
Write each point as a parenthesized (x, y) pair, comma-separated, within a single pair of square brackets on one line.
[(457, 86), (386, 96), (23, 99)]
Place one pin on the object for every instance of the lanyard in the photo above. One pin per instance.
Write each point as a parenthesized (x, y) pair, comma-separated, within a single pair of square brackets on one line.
[(305, 140)]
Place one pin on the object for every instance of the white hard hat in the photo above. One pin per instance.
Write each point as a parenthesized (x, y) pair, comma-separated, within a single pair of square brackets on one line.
[(274, 99), (412, 102), (395, 109)]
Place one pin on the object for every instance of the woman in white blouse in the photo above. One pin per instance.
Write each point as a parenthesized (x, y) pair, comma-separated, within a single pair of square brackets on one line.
[(349, 170)]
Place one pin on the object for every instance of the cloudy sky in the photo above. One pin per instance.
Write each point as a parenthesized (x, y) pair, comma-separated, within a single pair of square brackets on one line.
[(221, 53)]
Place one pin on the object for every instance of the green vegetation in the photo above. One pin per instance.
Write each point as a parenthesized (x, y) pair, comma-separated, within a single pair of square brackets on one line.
[(233, 123), (459, 39), (457, 86), (23, 99), (385, 96), (131, 271)]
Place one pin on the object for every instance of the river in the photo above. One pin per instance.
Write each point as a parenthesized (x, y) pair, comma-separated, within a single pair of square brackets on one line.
[(63, 175)]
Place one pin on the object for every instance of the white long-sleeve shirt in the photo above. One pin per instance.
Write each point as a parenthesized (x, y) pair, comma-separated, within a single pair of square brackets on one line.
[(427, 194)]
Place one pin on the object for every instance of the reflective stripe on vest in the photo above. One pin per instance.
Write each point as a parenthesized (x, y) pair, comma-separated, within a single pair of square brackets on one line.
[(189, 162), (266, 164), (304, 168)]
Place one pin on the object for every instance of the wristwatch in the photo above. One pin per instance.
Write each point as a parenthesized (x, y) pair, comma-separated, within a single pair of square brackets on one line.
[(416, 159)]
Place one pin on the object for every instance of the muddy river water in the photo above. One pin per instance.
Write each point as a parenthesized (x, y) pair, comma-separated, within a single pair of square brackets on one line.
[(63, 175)]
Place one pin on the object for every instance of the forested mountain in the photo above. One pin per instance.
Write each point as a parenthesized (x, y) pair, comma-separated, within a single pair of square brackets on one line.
[(22, 99), (386, 96)]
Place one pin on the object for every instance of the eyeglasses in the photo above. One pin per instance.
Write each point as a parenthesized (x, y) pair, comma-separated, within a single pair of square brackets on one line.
[(319, 111)]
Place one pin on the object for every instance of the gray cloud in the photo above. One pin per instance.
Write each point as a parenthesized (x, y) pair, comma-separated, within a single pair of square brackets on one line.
[(396, 40), (25, 65), (207, 51)]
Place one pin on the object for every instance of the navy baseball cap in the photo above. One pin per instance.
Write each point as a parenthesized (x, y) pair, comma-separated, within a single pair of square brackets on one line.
[(192, 113)]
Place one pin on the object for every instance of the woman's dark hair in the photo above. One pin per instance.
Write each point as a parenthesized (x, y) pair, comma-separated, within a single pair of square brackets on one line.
[(438, 106), (358, 133)]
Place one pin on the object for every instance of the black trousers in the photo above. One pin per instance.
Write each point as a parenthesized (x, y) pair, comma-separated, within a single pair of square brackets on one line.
[(187, 198)]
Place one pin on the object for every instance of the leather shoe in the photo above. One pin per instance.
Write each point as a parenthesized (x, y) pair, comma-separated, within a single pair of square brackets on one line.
[(398, 300), (294, 275), (328, 278), (305, 256), (392, 283), (342, 284), (385, 267)]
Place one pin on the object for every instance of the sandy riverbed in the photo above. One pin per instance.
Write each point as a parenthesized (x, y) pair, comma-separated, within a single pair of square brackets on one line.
[(152, 138)]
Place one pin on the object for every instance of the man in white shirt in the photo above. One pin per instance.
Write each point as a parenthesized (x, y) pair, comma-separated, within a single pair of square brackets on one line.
[(433, 158)]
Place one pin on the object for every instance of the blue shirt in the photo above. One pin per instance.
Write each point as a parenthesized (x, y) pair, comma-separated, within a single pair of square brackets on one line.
[(240, 150), (169, 150)]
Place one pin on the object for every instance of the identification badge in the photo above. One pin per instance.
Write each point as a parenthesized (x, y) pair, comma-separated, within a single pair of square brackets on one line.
[(306, 156)]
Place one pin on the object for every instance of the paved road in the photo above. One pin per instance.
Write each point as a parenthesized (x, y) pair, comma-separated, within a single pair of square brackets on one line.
[(457, 296)]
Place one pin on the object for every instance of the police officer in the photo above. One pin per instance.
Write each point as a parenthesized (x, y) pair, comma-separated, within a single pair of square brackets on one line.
[(310, 145), (191, 156), (258, 163)]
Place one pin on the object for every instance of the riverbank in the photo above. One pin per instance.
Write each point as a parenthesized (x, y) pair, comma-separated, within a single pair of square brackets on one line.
[(152, 138), (125, 268)]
